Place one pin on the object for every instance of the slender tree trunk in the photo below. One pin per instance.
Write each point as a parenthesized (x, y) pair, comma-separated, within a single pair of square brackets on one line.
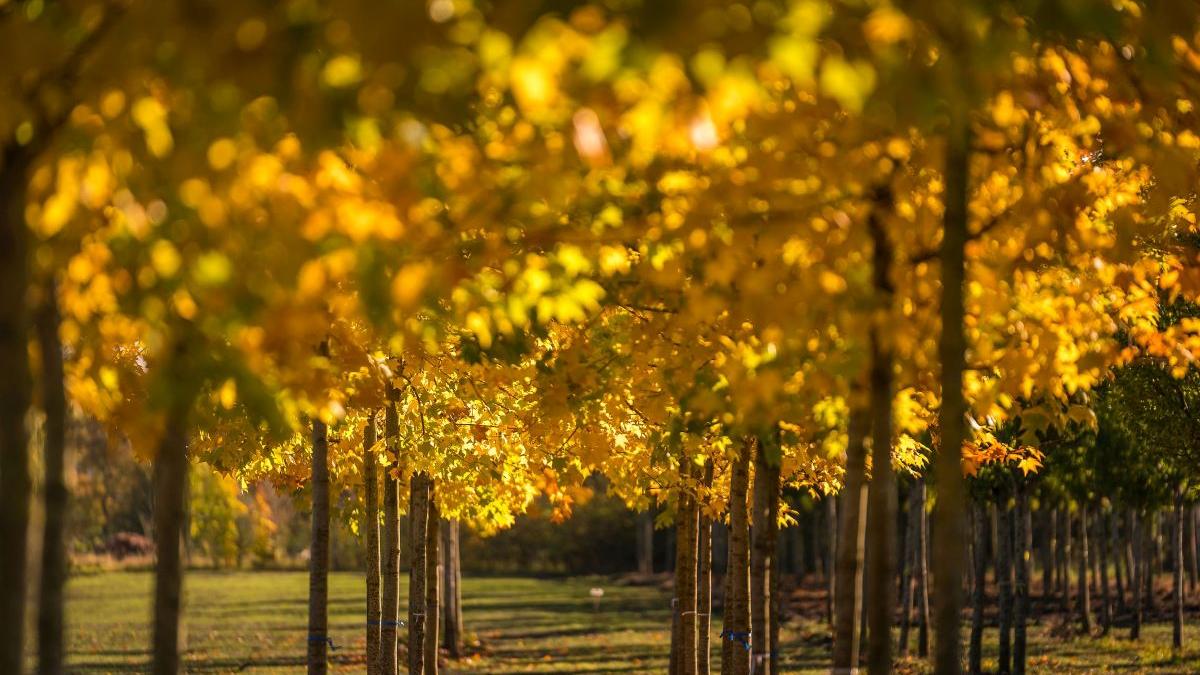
[(908, 577), (922, 573), (762, 559), (1130, 544), (851, 540), (1004, 575), (1022, 541), (975, 645), (390, 620), (1064, 561), (1135, 627), (704, 584), (1085, 596), (735, 642), (686, 552), (1177, 560), (645, 541), (418, 519), (54, 556), (727, 584), (1117, 559), (827, 560), (452, 638), (15, 396), (881, 566), (1189, 547), (318, 562), (170, 486), (1148, 554), (950, 507), (371, 528), (1102, 526), (433, 582)]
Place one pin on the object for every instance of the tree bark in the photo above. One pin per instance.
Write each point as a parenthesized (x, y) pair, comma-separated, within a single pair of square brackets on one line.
[(1022, 541), (922, 572), (827, 560), (735, 636), (975, 646), (762, 559), (170, 486), (452, 623), (908, 575), (390, 619), (371, 528), (851, 540), (1189, 548), (418, 519), (645, 542), (1004, 575), (950, 508), (433, 582), (1106, 609), (704, 584), (318, 562), (54, 557), (15, 396), (1177, 560), (686, 552), (1135, 626), (1085, 596), (881, 515)]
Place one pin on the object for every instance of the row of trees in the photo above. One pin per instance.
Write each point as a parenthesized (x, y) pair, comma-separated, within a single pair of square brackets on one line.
[(708, 252)]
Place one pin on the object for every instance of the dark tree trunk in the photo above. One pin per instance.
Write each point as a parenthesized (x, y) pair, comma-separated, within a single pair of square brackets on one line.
[(1085, 596), (831, 545), (1064, 561), (389, 643), (736, 631), (704, 584), (418, 519), (922, 572), (683, 653), (950, 507), (1129, 542), (318, 562), (975, 645), (1177, 569), (851, 541), (764, 533), (1102, 527), (433, 582), (54, 556), (908, 575), (1189, 547), (645, 541), (1004, 574), (170, 507), (452, 631), (1022, 542), (1149, 541), (15, 396), (371, 528), (881, 566), (1135, 534)]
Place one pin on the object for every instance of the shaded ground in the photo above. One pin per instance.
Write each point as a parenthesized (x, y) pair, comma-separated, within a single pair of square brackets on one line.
[(256, 622)]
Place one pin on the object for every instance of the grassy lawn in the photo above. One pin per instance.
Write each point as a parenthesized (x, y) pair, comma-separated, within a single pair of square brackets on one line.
[(256, 622)]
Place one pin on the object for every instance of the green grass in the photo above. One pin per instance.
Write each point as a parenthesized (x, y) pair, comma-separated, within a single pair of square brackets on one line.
[(256, 622)]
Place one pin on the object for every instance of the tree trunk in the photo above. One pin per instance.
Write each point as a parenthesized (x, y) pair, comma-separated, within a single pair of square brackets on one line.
[(1022, 541), (686, 552), (1105, 594), (371, 528), (452, 623), (704, 584), (735, 636), (645, 542), (1177, 560), (390, 620), (170, 483), (1134, 534), (1004, 575), (851, 540), (15, 396), (831, 528), (950, 508), (418, 520), (1085, 596), (1189, 547), (318, 563), (764, 532), (975, 646), (433, 582), (1064, 561), (1148, 554), (922, 544), (908, 575), (54, 556)]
